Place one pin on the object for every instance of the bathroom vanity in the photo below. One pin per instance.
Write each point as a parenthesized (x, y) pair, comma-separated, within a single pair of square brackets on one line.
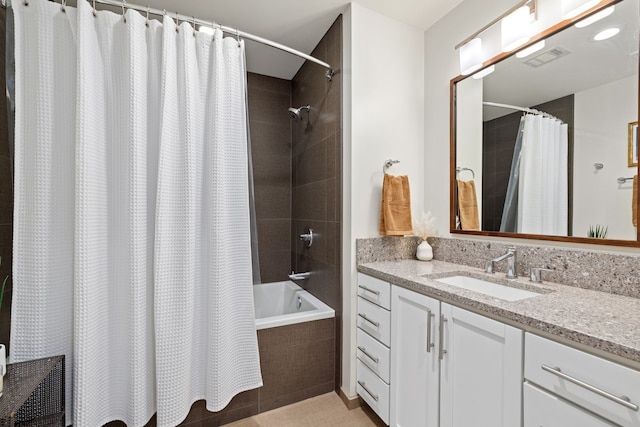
[(555, 356)]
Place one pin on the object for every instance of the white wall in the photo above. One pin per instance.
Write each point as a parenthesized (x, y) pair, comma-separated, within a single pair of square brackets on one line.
[(600, 136), (383, 119), (442, 65)]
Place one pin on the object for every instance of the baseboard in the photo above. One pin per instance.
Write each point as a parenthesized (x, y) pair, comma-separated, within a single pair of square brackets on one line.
[(350, 403)]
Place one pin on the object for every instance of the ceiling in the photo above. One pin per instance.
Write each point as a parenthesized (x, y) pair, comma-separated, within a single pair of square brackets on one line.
[(299, 24)]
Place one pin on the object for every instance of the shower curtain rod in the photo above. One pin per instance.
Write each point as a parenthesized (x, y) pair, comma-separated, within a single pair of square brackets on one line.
[(236, 32), (525, 109)]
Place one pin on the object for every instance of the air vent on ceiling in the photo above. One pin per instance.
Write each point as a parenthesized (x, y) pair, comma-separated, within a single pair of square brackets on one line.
[(546, 57)]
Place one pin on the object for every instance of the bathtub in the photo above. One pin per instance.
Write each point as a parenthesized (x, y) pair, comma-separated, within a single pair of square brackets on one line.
[(285, 303)]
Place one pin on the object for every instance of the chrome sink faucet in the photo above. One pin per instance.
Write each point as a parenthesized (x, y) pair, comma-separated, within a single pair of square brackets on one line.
[(511, 256)]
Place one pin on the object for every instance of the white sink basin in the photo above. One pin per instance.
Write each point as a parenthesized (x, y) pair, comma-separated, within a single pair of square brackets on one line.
[(506, 293)]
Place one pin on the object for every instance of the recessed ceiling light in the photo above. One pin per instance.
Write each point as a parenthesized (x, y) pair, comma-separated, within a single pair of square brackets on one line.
[(606, 34), (531, 49), (485, 72), (595, 17)]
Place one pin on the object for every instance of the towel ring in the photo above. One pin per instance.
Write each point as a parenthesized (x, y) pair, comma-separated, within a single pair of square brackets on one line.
[(388, 163), (459, 169)]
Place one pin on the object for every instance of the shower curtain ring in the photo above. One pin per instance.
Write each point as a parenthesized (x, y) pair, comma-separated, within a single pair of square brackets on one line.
[(26, 3), (238, 36), (124, 3), (146, 22), (94, 9), (194, 26), (177, 22), (63, 6)]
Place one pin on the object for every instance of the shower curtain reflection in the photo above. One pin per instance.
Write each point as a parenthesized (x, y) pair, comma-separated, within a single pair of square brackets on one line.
[(537, 193)]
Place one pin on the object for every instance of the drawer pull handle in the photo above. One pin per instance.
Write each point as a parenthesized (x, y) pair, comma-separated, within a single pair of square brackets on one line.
[(624, 401), (443, 320), (374, 396), (364, 316), (377, 293), (430, 345), (363, 350)]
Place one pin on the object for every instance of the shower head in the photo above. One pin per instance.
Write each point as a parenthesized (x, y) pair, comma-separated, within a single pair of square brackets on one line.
[(296, 113)]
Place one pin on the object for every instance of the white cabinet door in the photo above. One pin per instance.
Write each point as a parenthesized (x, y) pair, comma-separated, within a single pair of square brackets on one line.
[(481, 371), (414, 359)]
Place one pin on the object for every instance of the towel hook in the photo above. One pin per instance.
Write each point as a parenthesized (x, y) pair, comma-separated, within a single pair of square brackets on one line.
[(388, 163)]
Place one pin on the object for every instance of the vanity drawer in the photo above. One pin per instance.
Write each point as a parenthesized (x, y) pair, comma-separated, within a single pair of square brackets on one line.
[(374, 355), (374, 320), (586, 380), (547, 410), (375, 290), (374, 391)]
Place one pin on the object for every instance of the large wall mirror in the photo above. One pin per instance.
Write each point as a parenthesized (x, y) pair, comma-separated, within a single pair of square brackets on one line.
[(547, 143)]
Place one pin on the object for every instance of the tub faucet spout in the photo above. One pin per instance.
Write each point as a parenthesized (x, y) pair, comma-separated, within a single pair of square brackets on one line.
[(511, 257), (299, 276)]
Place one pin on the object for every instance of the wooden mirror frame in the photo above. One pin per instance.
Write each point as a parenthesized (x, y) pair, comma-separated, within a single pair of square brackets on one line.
[(452, 157)]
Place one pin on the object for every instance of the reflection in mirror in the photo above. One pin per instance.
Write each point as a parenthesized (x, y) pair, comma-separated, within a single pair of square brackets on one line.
[(542, 140)]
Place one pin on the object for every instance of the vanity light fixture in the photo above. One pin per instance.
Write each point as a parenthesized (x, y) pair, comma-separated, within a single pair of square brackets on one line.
[(573, 8), (595, 17), (531, 49), (470, 49), (515, 29), (606, 34), (471, 56), (484, 73)]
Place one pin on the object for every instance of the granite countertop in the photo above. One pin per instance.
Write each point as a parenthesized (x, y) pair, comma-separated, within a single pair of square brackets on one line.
[(606, 322)]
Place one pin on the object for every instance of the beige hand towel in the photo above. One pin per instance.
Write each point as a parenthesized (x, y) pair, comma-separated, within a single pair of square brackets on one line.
[(468, 205), (395, 209)]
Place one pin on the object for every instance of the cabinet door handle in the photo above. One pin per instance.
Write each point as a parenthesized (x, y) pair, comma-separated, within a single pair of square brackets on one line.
[(430, 345), (623, 400), (364, 351), (443, 320), (364, 316), (377, 293), (374, 396)]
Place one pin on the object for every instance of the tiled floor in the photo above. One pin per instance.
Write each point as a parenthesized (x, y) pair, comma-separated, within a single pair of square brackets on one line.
[(326, 410)]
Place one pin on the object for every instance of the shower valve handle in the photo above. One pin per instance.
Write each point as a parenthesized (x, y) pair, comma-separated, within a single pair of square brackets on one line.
[(307, 237)]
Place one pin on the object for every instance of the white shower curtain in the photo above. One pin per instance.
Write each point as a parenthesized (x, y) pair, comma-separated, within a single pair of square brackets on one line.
[(132, 244), (543, 182)]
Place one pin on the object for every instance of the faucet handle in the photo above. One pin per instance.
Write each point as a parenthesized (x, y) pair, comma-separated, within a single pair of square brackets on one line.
[(535, 274), (489, 267)]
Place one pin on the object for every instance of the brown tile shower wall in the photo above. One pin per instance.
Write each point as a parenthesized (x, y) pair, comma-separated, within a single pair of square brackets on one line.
[(6, 200), (317, 175), (270, 127)]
